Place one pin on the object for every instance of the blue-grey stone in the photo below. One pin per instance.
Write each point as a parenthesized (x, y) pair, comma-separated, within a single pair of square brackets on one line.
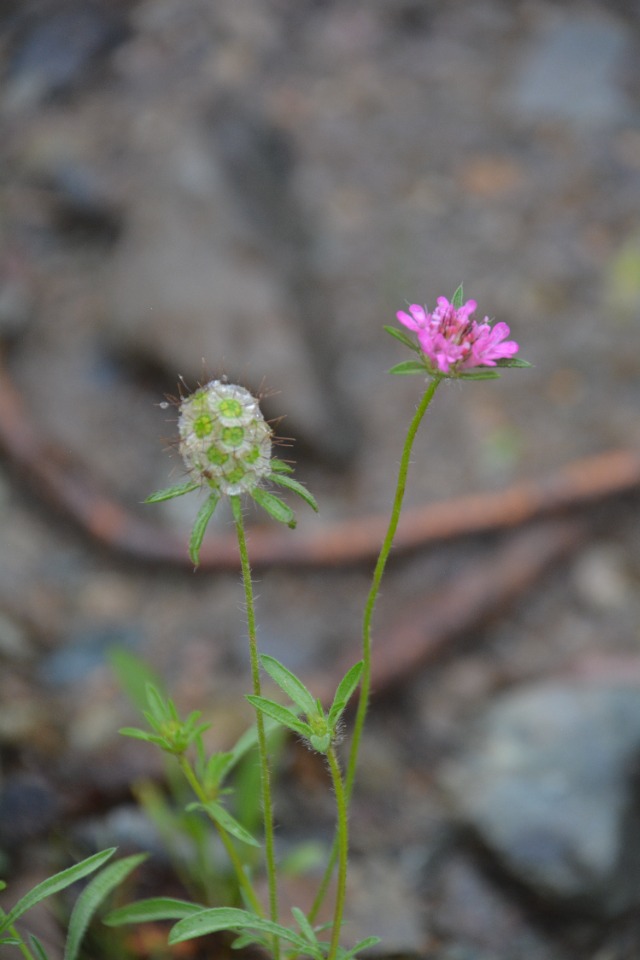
[(548, 784), (571, 72)]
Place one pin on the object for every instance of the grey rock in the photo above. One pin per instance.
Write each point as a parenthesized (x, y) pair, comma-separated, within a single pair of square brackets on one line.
[(198, 289), (28, 809), (382, 903), (55, 48), (548, 784), (85, 653), (570, 72)]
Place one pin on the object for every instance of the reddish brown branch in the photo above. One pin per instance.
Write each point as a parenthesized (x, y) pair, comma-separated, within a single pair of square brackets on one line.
[(72, 494), (483, 590)]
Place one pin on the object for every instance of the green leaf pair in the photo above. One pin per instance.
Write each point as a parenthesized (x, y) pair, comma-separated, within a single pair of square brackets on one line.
[(319, 729), (270, 503), (196, 921), (86, 905)]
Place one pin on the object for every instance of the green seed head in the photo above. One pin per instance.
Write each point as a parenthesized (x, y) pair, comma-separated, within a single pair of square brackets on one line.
[(225, 441)]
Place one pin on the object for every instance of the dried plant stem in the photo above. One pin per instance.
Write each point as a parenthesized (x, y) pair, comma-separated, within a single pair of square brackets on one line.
[(265, 775)]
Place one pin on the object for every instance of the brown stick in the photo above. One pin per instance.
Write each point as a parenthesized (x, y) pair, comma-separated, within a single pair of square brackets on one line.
[(72, 494)]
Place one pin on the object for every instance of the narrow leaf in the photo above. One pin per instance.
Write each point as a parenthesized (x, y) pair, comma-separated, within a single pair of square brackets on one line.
[(141, 735), (246, 742), (281, 714), (59, 881), (37, 947), (274, 506), (287, 681), (512, 362), (404, 338), (200, 525), (320, 742), (248, 940), (157, 704), (296, 487), (91, 898), (224, 819), (307, 930), (362, 945), (481, 373), (217, 767), (156, 908), (458, 298), (232, 918), (133, 675), (170, 492), (279, 466), (345, 691), (409, 367)]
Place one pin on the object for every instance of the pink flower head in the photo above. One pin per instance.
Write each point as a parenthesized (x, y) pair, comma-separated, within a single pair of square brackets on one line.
[(452, 342)]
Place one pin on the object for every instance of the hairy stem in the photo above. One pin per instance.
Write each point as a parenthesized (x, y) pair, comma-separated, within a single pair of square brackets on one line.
[(243, 879), (342, 838), (265, 775), (365, 683)]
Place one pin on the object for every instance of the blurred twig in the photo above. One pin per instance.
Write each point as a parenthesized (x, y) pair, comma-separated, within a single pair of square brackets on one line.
[(72, 493)]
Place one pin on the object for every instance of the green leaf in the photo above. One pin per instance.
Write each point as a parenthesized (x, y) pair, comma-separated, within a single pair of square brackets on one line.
[(362, 945), (91, 898), (320, 742), (458, 298), (217, 767), (59, 881), (142, 735), (155, 908), (274, 506), (292, 686), (281, 714), (201, 522), (224, 819), (296, 487), (512, 362), (37, 947), (307, 930), (344, 692), (133, 675), (304, 858), (408, 367), (481, 373), (170, 492), (159, 707), (404, 338), (279, 466), (247, 741), (232, 918), (3, 885)]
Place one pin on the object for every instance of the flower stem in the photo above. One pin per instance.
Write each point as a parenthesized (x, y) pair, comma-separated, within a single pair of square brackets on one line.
[(365, 683), (265, 776), (243, 879), (342, 838)]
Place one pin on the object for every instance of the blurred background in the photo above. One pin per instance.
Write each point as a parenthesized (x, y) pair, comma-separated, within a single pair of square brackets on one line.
[(252, 188)]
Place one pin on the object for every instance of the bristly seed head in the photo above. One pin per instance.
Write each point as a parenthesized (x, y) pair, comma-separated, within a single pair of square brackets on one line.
[(225, 441)]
